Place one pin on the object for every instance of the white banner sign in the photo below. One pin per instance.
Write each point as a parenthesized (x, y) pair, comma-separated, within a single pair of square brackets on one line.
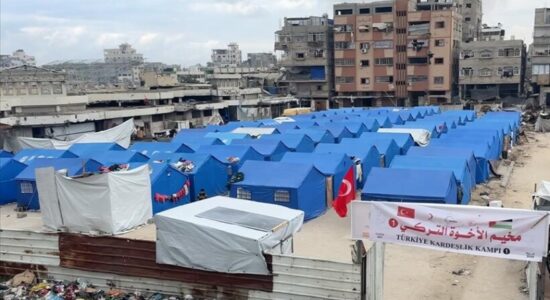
[(487, 231)]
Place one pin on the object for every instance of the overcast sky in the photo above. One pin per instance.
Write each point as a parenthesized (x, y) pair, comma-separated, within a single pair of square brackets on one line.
[(181, 31)]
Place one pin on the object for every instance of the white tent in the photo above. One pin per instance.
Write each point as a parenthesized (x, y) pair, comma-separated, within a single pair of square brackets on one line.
[(107, 203), (224, 234), (120, 134), (420, 136), (543, 190)]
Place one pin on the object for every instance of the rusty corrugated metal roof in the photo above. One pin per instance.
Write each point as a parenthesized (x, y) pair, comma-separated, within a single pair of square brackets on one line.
[(137, 258)]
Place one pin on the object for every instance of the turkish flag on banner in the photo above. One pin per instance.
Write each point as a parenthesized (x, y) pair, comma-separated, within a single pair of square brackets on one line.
[(405, 212), (346, 193)]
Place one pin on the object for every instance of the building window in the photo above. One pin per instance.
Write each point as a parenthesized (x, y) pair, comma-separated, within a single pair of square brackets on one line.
[(440, 24), (196, 114), (385, 61), (439, 60), (541, 69), (485, 72), (342, 12), (319, 87), (506, 71), (364, 11), (343, 28), (509, 52), (57, 89), (315, 37), (243, 194), (317, 53), (344, 79), (157, 118), (418, 60), (344, 62), (468, 5), (383, 45), (413, 79), (33, 90), (207, 113), (365, 80), (383, 79), (364, 47), (516, 71), (467, 72), (401, 66), (401, 30), (364, 63), (344, 45), (26, 188), (281, 196), (300, 55), (439, 80), (467, 19), (385, 9), (440, 43), (486, 53), (467, 54)]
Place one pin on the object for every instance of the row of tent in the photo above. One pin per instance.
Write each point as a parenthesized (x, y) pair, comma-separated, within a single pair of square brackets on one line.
[(298, 162)]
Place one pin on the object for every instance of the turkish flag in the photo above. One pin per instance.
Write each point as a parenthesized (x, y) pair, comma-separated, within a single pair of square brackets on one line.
[(405, 212), (346, 193)]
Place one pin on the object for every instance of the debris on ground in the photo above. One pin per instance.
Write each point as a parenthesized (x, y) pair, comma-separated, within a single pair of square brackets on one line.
[(461, 272), (25, 286)]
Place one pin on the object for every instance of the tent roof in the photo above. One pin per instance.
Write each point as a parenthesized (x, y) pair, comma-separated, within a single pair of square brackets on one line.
[(274, 174), (73, 165), (382, 145), (86, 149), (265, 147), (422, 185), (198, 159), (359, 152), (4, 153), (326, 163), (118, 157), (401, 139), (223, 152), (43, 153), (291, 140), (457, 165), (255, 131), (5, 161), (154, 146), (314, 133), (158, 168), (227, 137)]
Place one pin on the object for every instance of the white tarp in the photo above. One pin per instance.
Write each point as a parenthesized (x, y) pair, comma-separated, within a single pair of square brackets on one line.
[(476, 230), (120, 134), (543, 190), (107, 203), (188, 238), (420, 136), (254, 131)]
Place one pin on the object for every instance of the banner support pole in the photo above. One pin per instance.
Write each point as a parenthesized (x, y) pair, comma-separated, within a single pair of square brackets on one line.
[(532, 279)]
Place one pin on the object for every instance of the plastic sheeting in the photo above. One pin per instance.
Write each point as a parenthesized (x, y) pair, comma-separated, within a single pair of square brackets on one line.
[(109, 203), (234, 244), (543, 190), (120, 134), (420, 136)]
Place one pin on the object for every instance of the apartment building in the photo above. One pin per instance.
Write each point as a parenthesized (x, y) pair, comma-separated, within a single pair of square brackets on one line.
[(472, 15), (492, 33), (230, 57), (125, 53), (307, 59), (18, 58), (492, 69), (395, 52), (540, 56)]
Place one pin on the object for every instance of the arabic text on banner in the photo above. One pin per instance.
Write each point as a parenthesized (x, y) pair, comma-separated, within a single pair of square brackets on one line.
[(496, 232)]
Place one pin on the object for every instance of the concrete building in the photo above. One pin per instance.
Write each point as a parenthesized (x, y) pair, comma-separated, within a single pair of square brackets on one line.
[(230, 57), (393, 53), (18, 58), (163, 79), (194, 74), (540, 56), (125, 53), (260, 60), (492, 33), (307, 59), (492, 69), (472, 15)]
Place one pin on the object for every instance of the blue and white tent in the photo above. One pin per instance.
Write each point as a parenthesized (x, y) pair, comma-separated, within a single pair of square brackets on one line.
[(86, 150), (335, 165), (9, 169), (406, 185), (403, 140), (298, 186), (205, 172), (169, 187), (368, 157), (458, 166), (387, 148), (272, 150), (27, 194), (27, 155)]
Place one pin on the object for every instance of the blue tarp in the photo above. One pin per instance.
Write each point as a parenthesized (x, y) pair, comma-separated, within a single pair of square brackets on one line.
[(415, 125), (272, 150), (403, 140), (150, 148), (395, 118), (9, 169), (387, 147), (317, 73), (458, 166), (330, 164), (208, 174), (227, 137), (191, 145), (228, 153), (405, 185), (27, 155), (295, 142), (317, 135), (109, 158), (4, 153), (466, 155), (465, 115), (297, 186), (339, 131), (86, 150), (27, 194), (355, 127), (166, 182), (369, 157)]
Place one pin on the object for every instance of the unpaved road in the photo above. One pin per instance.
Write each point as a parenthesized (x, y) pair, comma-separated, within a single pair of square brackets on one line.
[(418, 274)]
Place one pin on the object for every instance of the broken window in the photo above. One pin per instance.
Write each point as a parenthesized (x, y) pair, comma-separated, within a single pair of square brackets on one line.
[(342, 12), (364, 11), (344, 45), (509, 52), (300, 55), (364, 63), (343, 28), (364, 47), (384, 9)]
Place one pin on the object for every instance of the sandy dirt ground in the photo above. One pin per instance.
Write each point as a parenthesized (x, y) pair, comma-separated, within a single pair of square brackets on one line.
[(418, 274)]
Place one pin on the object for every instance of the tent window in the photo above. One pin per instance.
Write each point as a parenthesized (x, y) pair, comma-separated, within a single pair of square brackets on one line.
[(26, 188), (243, 194), (282, 196)]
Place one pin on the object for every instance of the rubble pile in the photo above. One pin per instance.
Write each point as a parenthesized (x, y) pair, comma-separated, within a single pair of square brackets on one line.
[(26, 286)]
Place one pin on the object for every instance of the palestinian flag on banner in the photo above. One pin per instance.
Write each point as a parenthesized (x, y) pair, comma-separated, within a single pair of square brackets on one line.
[(504, 224)]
